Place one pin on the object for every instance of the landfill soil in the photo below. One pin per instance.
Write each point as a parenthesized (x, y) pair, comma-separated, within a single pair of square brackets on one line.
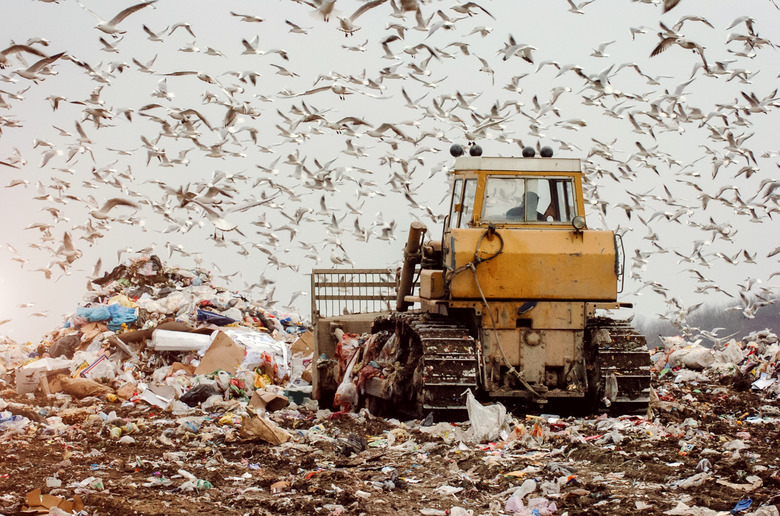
[(353, 469)]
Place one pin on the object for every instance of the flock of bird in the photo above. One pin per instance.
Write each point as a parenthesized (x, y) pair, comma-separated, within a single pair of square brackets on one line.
[(287, 167)]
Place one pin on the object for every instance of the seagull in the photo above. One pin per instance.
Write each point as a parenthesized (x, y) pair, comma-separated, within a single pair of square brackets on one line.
[(324, 8), (185, 26), (145, 68), (296, 29), (521, 49), (670, 4), (338, 89), (599, 52), (248, 17), (718, 343), (31, 73), (13, 49), (347, 25), (667, 40), (102, 213), (217, 221), (67, 250), (162, 90), (637, 30), (577, 9), (466, 9), (110, 27), (481, 30), (48, 155), (284, 71), (681, 21), (250, 47), (154, 36), (203, 76), (747, 20)]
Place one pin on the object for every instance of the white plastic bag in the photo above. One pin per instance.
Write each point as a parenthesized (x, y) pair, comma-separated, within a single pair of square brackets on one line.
[(731, 354), (693, 357), (487, 422)]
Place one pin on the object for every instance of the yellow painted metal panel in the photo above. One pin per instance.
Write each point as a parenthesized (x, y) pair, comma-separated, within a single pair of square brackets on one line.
[(559, 348), (555, 315), (530, 351), (534, 264)]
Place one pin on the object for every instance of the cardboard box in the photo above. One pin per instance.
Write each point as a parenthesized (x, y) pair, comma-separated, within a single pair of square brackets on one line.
[(270, 401), (188, 369), (304, 344), (223, 354), (306, 375), (42, 504), (256, 427)]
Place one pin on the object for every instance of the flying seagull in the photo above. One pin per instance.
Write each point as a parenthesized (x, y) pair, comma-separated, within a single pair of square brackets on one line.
[(110, 27), (347, 25), (102, 213), (15, 49), (667, 40)]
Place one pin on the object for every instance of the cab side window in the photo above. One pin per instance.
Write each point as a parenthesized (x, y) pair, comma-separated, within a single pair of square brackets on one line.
[(457, 191), (467, 209)]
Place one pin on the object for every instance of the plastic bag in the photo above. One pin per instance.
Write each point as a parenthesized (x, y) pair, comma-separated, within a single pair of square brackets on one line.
[(262, 348), (93, 313), (121, 315), (687, 375), (214, 318), (731, 354), (487, 422), (693, 357)]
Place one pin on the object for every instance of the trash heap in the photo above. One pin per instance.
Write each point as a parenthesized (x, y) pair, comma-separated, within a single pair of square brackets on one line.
[(165, 394), (752, 363), (170, 338)]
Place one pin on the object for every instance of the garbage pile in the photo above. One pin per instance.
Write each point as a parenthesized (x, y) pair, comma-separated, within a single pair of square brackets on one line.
[(172, 339), (749, 364), (166, 394)]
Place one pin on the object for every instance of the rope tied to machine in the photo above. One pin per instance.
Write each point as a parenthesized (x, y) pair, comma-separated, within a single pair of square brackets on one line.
[(477, 259), (472, 266)]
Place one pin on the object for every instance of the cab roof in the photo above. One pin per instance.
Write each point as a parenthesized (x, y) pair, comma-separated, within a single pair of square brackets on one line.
[(516, 164)]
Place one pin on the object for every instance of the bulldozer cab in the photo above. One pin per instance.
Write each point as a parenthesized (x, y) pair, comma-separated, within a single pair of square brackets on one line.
[(510, 192), (522, 222)]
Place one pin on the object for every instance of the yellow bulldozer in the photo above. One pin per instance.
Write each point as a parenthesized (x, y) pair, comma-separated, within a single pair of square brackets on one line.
[(508, 303)]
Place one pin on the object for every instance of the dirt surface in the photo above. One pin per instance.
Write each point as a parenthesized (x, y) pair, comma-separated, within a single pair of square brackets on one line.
[(357, 464)]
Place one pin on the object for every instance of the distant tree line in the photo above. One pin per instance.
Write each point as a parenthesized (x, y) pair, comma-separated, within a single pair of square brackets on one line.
[(709, 317)]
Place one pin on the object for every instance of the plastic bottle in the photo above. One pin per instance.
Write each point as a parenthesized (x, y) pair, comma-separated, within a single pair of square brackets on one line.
[(202, 484)]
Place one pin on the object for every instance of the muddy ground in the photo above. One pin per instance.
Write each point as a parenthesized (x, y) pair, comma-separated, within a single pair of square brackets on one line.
[(347, 464)]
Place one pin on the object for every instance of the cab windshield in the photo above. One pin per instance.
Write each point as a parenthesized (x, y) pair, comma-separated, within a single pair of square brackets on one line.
[(516, 200)]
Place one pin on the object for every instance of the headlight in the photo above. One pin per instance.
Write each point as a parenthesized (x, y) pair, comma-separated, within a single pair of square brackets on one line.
[(578, 222)]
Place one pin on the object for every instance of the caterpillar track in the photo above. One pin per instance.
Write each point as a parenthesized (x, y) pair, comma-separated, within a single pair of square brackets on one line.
[(437, 361), (620, 351)]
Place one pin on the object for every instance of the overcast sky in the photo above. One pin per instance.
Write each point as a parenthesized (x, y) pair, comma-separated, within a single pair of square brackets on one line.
[(660, 138)]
